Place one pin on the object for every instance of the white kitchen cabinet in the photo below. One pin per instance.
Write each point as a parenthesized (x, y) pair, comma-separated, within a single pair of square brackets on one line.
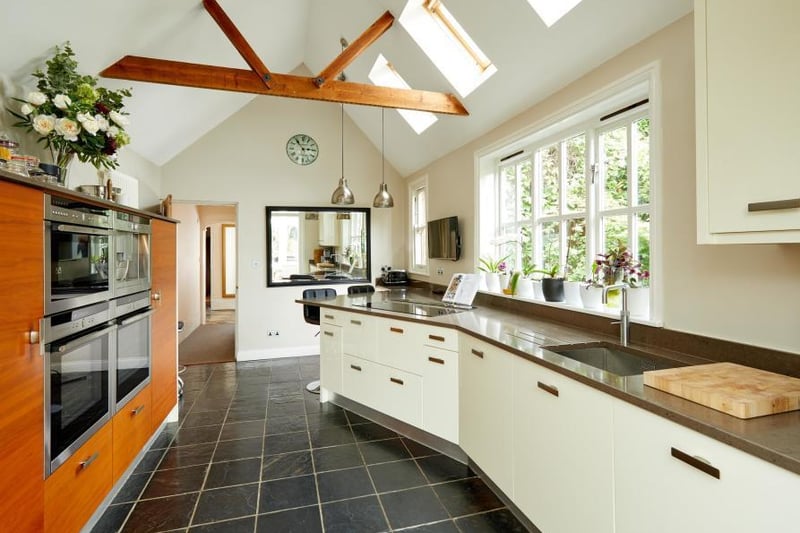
[(485, 400), (399, 395), (400, 344), (329, 231), (440, 393), (747, 111), (330, 358), (562, 449), (360, 380), (359, 336), (655, 491)]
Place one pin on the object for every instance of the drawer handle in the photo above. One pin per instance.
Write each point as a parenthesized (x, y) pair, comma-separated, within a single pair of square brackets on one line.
[(396, 380), (356, 322), (137, 410), (436, 338), (329, 317), (697, 462), (548, 388), (436, 360), (774, 205), (328, 333), (355, 367), (396, 330), (86, 463), (479, 353)]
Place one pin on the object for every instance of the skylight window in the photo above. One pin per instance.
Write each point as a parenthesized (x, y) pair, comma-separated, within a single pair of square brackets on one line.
[(447, 45), (550, 11), (385, 75)]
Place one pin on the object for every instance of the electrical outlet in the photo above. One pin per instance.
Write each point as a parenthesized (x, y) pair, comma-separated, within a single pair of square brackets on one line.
[(440, 271), (273, 333)]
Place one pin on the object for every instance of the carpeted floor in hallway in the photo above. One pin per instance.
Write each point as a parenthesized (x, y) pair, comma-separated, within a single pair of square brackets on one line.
[(209, 343)]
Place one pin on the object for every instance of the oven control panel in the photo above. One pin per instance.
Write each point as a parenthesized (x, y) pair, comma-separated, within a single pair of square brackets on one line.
[(69, 323), (60, 209)]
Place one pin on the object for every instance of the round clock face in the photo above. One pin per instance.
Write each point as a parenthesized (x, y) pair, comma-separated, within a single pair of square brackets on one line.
[(302, 149)]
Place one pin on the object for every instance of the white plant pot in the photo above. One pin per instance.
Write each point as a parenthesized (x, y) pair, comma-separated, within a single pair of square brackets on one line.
[(639, 301), (572, 293), (493, 282), (591, 297), (525, 288), (482, 281), (537, 290)]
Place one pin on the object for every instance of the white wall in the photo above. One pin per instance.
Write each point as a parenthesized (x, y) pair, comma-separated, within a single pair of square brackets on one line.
[(190, 300), (213, 217), (243, 161), (745, 294)]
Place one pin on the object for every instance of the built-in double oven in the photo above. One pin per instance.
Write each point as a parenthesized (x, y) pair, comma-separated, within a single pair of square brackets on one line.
[(96, 332)]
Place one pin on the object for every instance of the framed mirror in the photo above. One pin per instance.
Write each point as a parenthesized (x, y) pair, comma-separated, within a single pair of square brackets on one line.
[(317, 245)]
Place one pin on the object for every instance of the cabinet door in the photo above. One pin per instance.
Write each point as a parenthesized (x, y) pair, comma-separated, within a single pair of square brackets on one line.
[(132, 428), (400, 344), (748, 79), (21, 373), (330, 358), (562, 452), (485, 401), (359, 380), (358, 335), (165, 321), (399, 395), (440, 393), (749, 494)]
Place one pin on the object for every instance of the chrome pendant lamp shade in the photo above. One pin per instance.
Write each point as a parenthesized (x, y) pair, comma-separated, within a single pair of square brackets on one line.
[(342, 195), (383, 198)]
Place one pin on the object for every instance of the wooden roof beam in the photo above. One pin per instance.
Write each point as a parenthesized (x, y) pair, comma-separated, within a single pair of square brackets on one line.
[(230, 79), (349, 54)]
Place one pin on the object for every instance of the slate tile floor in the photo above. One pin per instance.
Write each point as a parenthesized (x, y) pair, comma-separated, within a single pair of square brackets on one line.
[(254, 452)]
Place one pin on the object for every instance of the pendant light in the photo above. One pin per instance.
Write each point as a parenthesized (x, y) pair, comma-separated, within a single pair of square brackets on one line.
[(342, 195), (383, 198)]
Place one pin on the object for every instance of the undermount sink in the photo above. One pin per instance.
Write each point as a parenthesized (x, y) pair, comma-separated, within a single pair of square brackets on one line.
[(612, 358)]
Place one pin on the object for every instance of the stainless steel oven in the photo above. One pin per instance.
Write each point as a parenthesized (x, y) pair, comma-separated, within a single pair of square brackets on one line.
[(77, 251), (79, 348), (132, 361), (131, 258)]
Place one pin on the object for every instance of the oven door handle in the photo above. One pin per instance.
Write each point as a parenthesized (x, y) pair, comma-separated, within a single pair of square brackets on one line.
[(71, 345), (81, 229), (135, 318)]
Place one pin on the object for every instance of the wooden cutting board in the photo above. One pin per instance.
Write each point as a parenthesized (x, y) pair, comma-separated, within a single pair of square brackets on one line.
[(737, 390)]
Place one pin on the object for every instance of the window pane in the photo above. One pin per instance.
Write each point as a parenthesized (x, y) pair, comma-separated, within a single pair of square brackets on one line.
[(614, 150), (550, 161), (421, 210), (509, 250), (508, 194), (551, 245), (576, 174), (641, 140), (643, 239), (526, 246), (526, 183), (576, 249), (615, 231), (421, 247)]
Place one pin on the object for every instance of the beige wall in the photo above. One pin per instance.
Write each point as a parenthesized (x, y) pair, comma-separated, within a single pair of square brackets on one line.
[(189, 267), (243, 161), (746, 294)]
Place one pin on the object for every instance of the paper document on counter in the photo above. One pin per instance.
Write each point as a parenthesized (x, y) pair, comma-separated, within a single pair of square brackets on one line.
[(462, 289)]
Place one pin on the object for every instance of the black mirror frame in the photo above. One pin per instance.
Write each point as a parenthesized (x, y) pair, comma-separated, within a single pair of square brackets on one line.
[(293, 283)]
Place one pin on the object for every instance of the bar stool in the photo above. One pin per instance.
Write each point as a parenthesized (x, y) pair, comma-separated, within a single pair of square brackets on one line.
[(360, 289), (311, 316)]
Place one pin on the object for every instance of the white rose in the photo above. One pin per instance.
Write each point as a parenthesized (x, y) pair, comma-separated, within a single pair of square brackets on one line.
[(62, 101), (119, 118), (90, 124), (68, 129), (102, 122), (44, 124), (36, 98), (112, 131), (26, 109)]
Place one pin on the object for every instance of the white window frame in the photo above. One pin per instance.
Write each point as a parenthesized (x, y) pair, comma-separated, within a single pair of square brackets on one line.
[(419, 184)]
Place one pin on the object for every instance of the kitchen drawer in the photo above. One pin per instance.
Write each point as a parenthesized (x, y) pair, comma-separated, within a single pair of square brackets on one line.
[(359, 380), (358, 335), (399, 395), (440, 393), (446, 339), (77, 487), (329, 316), (131, 430), (401, 345)]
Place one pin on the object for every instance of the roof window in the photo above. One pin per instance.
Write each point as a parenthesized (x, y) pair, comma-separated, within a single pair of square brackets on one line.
[(550, 11), (384, 74)]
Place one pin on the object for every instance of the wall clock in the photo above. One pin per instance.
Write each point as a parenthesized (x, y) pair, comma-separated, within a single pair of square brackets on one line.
[(302, 149)]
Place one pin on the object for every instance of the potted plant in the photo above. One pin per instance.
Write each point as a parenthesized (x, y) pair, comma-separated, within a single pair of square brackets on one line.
[(618, 265), (492, 268), (513, 281), (552, 286)]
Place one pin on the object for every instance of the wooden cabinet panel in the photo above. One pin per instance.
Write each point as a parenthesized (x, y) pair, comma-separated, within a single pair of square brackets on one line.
[(165, 320), (21, 365), (132, 428), (77, 487)]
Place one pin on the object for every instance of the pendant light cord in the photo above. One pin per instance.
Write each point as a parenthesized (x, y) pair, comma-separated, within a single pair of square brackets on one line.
[(383, 154), (342, 140)]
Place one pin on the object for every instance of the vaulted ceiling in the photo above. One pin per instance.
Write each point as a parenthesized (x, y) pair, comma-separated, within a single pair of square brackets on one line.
[(532, 60)]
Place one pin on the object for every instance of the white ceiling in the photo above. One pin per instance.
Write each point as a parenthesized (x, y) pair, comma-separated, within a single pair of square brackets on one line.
[(533, 61)]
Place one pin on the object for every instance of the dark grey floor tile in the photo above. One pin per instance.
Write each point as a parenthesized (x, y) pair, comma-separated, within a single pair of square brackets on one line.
[(287, 493), (337, 458), (280, 408), (396, 476), (245, 414), (382, 451), (440, 468), (238, 525), (175, 481), (280, 376), (372, 431), (302, 520), (187, 456), (225, 503), (132, 488), (360, 515), (242, 430), (418, 450), (197, 435), (231, 450), (356, 419), (161, 514), (286, 465), (342, 484), (412, 507), (500, 521), (209, 418), (204, 405), (286, 424), (467, 496), (327, 419), (448, 526), (164, 438), (332, 436), (286, 442), (149, 462), (315, 407), (112, 518), (228, 473)]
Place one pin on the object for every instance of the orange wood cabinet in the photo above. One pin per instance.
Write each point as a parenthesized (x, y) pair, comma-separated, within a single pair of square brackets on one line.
[(21, 365), (77, 487), (132, 428), (163, 384)]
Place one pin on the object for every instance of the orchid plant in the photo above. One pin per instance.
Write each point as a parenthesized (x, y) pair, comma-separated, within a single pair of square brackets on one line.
[(618, 265), (492, 265)]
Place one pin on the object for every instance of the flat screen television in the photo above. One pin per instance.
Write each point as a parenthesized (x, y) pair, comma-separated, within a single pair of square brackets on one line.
[(444, 242)]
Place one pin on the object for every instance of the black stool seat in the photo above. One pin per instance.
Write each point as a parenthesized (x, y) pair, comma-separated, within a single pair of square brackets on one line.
[(311, 312), (360, 289)]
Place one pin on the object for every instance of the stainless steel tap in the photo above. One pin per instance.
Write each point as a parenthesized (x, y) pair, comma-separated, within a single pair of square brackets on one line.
[(624, 315)]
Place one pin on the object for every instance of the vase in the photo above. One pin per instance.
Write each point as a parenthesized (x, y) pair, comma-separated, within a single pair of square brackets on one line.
[(64, 162), (537, 290), (572, 293), (553, 289), (525, 288), (639, 301), (493, 282), (591, 296), (482, 281)]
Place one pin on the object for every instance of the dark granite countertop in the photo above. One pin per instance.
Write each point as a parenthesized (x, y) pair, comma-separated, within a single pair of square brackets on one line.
[(774, 438)]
